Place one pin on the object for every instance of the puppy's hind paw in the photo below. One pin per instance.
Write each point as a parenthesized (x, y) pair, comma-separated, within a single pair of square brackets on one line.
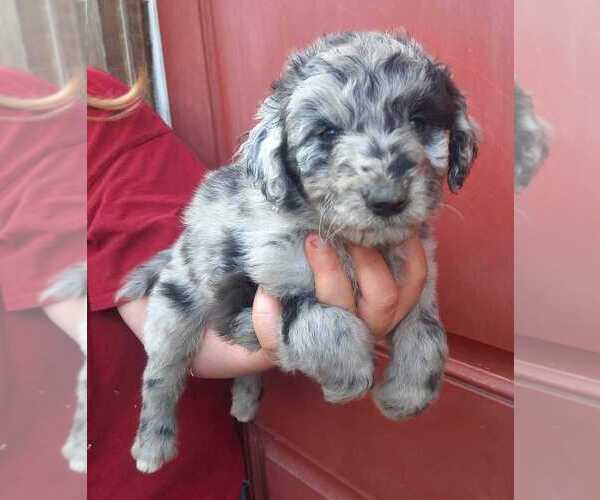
[(75, 452), (244, 411), (246, 393), (151, 454)]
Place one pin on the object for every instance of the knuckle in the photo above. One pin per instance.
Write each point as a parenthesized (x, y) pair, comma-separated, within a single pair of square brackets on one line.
[(388, 301)]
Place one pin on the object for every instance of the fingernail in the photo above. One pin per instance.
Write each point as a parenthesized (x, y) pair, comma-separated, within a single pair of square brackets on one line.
[(315, 241)]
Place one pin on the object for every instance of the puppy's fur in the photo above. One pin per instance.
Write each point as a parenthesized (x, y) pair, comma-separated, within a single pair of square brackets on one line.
[(531, 140), (354, 142)]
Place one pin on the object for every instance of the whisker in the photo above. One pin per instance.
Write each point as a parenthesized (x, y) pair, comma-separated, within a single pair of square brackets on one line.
[(454, 210)]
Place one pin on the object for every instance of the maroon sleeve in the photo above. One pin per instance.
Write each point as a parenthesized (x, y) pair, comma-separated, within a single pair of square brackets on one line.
[(140, 176), (42, 192)]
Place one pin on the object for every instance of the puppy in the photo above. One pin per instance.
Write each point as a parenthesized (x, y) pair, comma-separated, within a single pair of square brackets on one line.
[(354, 142)]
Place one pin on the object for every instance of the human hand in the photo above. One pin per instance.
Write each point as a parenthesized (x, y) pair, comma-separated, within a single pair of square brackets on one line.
[(382, 303)]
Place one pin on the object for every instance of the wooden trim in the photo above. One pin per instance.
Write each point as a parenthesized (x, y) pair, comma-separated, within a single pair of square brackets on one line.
[(214, 82), (562, 383), (286, 456), (488, 382), (467, 370), (254, 455), (561, 370)]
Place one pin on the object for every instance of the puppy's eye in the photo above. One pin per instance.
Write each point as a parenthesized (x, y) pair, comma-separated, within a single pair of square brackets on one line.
[(418, 122), (329, 133)]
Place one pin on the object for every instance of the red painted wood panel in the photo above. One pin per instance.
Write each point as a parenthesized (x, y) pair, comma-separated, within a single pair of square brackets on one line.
[(556, 225), (557, 291)]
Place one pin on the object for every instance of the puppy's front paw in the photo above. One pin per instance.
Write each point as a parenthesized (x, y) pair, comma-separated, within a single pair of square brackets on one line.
[(351, 385), (246, 393), (152, 449), (400, 401), (75, 451)]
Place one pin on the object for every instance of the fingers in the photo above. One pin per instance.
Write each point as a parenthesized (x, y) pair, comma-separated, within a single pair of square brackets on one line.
[(383, 301), (415, 275), (332, 286), (266, 318), (379, 291)]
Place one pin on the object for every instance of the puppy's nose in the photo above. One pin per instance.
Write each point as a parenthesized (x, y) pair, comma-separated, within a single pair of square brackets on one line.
[(385, 204)]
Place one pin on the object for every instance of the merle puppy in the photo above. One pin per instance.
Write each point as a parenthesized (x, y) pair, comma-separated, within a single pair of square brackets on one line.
[(354, 142)]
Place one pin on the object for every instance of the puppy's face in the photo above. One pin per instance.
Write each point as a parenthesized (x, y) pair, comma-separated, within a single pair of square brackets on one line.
[(370, 127)]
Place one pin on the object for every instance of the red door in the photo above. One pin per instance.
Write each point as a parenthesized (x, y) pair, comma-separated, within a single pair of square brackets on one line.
[(557, 292), (221, 57)]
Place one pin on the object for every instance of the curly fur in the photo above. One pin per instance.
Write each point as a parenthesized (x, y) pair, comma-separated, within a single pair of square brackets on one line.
[(354, 142)]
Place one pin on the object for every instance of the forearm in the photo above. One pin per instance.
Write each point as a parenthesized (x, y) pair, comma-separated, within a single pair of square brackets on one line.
[(70, 316), (216, 358)]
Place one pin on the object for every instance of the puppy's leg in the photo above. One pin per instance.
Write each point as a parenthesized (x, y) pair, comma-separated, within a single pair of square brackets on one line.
[(246, 393), (171, 333), (75, 448), (328, 344), (414, 375)]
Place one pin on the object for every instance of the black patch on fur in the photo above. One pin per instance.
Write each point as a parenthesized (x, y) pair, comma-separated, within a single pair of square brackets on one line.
[(179, 296), (151, 382), (395, 65), (165, 430), (400, 166), (232, 252), (291, 307), (234, 293), (433, 326), (151, 283), (433, 381)]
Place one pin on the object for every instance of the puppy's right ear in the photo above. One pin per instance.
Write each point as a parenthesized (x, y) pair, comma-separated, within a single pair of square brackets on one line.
[(264, 155)]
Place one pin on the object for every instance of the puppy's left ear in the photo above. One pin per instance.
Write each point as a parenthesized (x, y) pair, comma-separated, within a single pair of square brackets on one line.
[(264, 155), (464, 145), (464, 132)]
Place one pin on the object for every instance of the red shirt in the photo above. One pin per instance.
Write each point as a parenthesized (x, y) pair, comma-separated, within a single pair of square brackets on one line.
[(42, 231), (140, 176)]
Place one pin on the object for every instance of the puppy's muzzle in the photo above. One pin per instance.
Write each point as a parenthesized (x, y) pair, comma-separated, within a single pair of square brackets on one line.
[(385, 201)]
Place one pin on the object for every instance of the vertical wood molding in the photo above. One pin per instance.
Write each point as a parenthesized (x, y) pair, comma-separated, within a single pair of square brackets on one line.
[(254, 458), (188, 41), (219, 119)]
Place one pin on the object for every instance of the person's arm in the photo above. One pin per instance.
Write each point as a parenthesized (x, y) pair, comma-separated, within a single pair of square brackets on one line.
[(382, 305), (70, 316), (217, 358)]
